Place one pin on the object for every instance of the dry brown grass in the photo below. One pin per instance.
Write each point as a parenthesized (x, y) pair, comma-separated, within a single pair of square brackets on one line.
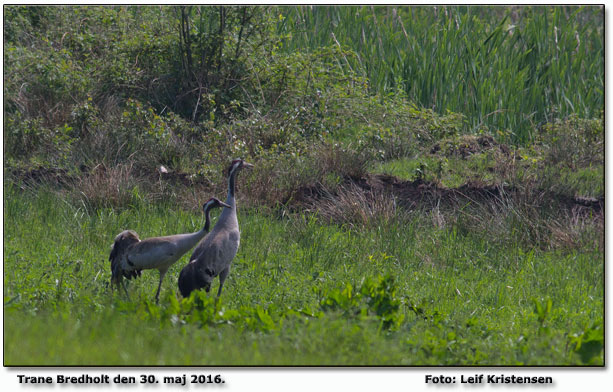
[(103, 186), (512, 220), (353, 205), (343, 162), (269, 183), (577, 228)]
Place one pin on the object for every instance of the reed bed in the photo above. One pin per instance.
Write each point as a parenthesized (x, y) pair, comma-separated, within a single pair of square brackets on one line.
[(508, 69)]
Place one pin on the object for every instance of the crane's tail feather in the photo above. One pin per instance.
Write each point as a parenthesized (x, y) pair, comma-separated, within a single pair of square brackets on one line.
[(121, 243)]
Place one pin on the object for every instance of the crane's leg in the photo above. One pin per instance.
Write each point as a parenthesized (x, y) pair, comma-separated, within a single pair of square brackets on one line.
[(123, 283), (222, 278), (157, 294)]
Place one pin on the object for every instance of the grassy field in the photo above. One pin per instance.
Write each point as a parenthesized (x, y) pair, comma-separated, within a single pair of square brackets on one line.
[(301, 292)]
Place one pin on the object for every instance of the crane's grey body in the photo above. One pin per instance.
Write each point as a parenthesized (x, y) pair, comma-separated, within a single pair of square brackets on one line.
[(130, 255), (213, 255)]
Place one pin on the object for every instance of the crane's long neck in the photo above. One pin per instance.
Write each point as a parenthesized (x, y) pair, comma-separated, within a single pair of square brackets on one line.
[(231, 186), (185, 242), (189, 240), (231, 182), (207, 222), (229, 214)]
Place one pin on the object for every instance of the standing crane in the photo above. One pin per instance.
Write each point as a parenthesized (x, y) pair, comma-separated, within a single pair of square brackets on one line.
[(129, 255), (213, 256)]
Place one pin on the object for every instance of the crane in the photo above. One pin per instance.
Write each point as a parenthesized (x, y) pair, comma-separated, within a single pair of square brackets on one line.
[(130, 255), (213, 255)]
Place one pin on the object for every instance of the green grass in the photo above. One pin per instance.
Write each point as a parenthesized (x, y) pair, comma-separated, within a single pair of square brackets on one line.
[(492, 168), (456, 297), (404, 168), (451, 172), (504, 68)]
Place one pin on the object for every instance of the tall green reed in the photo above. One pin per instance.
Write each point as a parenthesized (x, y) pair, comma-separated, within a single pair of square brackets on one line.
[(508, 69)]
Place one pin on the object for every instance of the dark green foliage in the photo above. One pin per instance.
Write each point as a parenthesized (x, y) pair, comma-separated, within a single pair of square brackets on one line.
[(375, 297), (589, 344), (210, 74)]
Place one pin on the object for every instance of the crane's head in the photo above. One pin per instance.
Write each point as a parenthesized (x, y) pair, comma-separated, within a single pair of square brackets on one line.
[(237, 165), (186, 280), (214, 202), (205, 276), (194, 278)]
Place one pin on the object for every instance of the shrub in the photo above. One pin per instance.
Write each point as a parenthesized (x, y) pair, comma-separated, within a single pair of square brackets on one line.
[(31, 142), (573, 142), (43, 82)]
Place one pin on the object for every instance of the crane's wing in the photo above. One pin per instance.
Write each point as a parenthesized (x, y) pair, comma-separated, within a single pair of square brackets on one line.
[(150, 254), (216, 251)]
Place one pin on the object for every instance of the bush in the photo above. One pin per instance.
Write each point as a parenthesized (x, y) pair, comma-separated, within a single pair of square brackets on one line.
[(32, 143), (573, 142)]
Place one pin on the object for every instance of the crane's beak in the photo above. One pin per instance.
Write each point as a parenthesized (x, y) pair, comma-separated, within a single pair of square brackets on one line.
[(247, 165), (225, 205)]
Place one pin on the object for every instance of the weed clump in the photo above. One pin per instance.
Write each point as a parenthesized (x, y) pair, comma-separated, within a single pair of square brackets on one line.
[(589, 344), (466, 145), (376, 297)]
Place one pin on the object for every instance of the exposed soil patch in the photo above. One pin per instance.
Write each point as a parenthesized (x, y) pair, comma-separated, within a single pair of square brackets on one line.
[(428, 194)]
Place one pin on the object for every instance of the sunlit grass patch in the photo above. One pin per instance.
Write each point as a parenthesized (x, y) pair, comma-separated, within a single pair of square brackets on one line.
[(302, 291)]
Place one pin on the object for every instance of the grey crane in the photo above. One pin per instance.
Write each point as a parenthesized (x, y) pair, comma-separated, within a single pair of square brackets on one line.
[(213, 255), (129, 255)]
